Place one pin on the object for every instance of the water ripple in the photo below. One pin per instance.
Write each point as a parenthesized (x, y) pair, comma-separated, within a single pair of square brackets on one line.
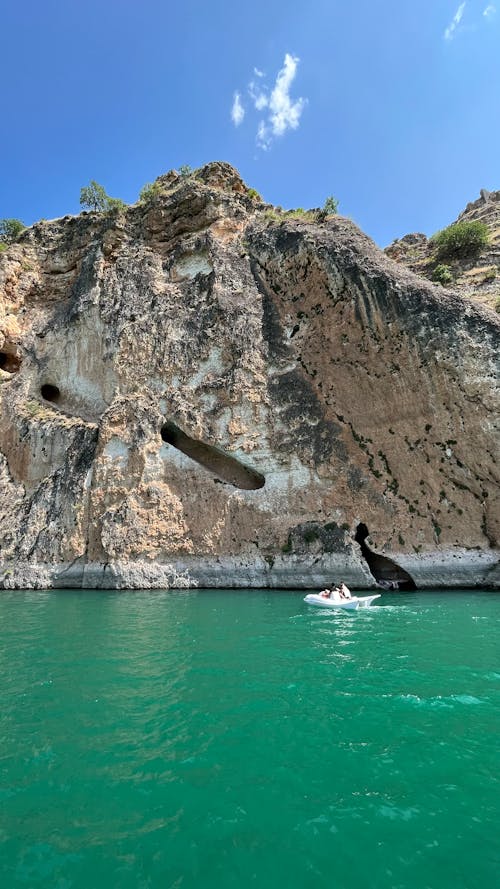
[(173, 739)]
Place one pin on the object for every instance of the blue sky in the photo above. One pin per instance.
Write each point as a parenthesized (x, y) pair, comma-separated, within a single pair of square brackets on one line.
[(392, 106)]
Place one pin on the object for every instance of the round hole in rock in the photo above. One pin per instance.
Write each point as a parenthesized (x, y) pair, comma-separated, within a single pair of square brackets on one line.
[(50, 392), (9, 363)]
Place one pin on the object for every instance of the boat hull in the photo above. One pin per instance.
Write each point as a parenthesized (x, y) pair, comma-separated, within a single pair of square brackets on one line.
[(352, 604)]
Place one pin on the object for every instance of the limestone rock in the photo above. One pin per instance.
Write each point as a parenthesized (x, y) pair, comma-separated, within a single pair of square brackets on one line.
[(477, 278), (204, 390)]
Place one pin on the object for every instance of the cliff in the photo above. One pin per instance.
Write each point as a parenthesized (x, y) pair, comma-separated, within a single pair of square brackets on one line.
[(205, 386), (476, 277)]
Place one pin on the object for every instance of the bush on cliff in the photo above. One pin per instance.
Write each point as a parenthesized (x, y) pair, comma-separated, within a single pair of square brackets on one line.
[(253, 194), (461, 240), (300, 213), (10, 229), (149, 192), (442, 274), (331, 206), (116, 205), (93, 197)]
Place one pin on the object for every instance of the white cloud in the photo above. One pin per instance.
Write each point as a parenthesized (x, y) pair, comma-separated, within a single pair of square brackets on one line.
[(237, 111), (258, 96), (489, 11), (278, 112), (285, 114), (457, 18), (263, 136)]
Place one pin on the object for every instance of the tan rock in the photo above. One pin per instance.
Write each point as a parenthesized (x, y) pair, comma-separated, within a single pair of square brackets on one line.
[(476, 277), (207, 392)]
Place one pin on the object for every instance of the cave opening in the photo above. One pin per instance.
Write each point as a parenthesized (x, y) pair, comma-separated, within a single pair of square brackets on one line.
[(50, 392), (9, 363), (225, 467), (385, 571)]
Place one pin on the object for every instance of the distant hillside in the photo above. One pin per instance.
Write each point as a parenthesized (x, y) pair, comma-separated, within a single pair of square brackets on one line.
[(478, 278)]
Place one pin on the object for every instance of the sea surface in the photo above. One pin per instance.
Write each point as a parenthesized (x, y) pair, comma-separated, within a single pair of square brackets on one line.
[(244, 739)]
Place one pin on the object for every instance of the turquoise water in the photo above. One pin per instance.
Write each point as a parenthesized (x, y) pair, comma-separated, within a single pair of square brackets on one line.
[(240, 739)]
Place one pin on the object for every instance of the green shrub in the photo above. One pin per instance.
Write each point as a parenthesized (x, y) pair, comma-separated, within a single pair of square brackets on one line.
[(253, 194), (93, 197), (442, 274), (273, 216), (116, 205), (461, 240), (149, 192), (2, 247), (300, 213), (185, 170), (10, 229), (331, 206)]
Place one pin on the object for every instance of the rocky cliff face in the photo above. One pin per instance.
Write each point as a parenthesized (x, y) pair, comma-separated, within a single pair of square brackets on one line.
[(203, 385), (477, 278)]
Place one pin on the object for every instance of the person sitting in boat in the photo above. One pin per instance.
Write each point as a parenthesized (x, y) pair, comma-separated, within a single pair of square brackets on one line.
[(344, 591), (326, 594)]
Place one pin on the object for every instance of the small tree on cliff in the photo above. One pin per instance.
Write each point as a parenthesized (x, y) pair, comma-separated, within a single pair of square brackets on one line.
[(94, 197), (331, 206), (10, 229)]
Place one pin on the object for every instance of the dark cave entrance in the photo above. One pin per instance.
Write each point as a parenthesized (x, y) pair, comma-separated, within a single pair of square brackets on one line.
[(50, 393), (9, 363), (384, 570), (226, 468)]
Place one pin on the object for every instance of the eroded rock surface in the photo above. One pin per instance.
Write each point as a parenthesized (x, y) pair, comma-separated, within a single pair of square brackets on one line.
[(476, 277), (204, 387)]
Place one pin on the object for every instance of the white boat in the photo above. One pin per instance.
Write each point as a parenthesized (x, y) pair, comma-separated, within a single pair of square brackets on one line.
[(335, 601)]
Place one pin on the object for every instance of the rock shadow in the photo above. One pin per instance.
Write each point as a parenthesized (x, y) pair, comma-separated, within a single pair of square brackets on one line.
[(386, 572), (9, 362), (51, 393)]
